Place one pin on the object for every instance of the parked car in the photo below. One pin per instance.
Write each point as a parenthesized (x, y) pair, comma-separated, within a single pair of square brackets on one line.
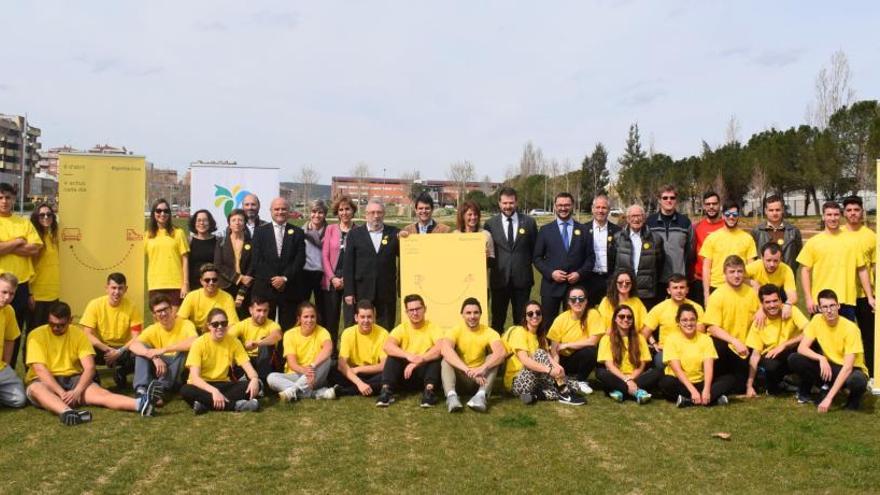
[(537, 212)]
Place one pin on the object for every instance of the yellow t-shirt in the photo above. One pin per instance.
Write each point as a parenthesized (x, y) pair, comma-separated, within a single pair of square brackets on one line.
[(723, 243), (304, 347), (867, 240), (517, 338), (416, 340), (834, 260), (358, 349), (837, 341), (215, 358), (607, 311), (566, 328), (46, 283), (783, 277), (472, 345), (60, 354), (10, 328), (12, 227), (733, 310), (246, 330), (156, 336), (112, 325), (165, 259), (626, 367), (776, 331), (690, 353), (662, 316), (197, 304)]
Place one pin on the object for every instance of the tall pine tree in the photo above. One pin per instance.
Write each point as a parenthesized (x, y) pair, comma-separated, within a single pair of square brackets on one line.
[(594, 176), (632, 167)]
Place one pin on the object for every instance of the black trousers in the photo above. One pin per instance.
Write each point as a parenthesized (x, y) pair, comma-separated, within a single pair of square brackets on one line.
[(597, 286), (672, 387), (581, 363), (19, 304), (775, 370), (550, 307), (508, 296), (311, 286), (865, 317), (386, 313), (729, 363), (426, 374), (233, 391), (695, 293), (808, 371), (645, 381), (346, 387), (262, 363)]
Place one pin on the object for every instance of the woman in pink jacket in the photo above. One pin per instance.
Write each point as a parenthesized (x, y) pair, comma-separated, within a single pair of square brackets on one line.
[(332, 256)]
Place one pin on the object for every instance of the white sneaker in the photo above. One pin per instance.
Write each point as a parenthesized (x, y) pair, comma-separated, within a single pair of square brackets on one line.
[(584, 388), (478, 402), (290, 394), (871, 388), (325, 393)]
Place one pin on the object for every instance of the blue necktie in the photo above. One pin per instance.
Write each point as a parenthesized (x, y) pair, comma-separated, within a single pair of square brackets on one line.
[(565, 241)]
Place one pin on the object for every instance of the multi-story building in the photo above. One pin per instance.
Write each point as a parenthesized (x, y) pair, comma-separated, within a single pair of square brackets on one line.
[(399, 191), (11, 149), (48, 163)]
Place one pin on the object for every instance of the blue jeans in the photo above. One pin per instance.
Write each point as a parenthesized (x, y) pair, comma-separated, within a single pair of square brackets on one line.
[(145, 371)]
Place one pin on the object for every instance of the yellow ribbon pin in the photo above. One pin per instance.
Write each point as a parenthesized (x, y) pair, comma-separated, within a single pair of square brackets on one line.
[(522, 230), (647, 245), (577, 231), (289, 231)]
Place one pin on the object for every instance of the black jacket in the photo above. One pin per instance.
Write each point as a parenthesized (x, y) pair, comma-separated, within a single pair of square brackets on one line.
[(267, 264), (650, 267), (513, 266), (368, 274)]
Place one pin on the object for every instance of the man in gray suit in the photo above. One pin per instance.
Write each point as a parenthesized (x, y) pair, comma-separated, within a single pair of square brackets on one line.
[(510, 277)]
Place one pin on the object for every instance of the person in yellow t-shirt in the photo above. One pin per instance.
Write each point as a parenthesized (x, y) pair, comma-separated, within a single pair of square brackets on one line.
[(574, 337), (471, 353), (623, 360), (690, 355), (726, 241), (620, 291), (11, 387), (259, 335), (307, 349), (773, 340), (413, 361), (198, 303), (210, 361), (867, 240), (167, 255), (729, 314), (62, 371), (661, 318), (19, 244), (530, 372), (45, 287), (110, 323), (771, 270), (160, 350), (361, 354), (839, 364)]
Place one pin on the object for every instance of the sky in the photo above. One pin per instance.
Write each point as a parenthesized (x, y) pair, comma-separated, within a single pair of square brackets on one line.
[(417, 85)]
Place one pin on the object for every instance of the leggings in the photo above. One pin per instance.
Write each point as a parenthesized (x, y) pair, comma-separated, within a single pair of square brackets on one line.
[(233, 391), (581, 363), (541, 385), (645, 381), (672, 387)]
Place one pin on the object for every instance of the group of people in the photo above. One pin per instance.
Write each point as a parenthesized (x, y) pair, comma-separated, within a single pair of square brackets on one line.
[(622, 303)]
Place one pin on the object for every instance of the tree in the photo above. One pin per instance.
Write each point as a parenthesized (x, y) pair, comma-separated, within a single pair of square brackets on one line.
[(308, 176), (855, 131), (480, 198), (361, 172), (633, 165), (461, 173), (832, 90), (594, 175)]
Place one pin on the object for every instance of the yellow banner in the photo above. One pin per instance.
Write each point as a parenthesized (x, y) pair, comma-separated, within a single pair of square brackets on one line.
[(101, 222), (444, 269), (876, 371)]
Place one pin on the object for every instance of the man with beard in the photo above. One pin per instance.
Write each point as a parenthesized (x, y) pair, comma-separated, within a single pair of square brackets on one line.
[(710, 223), (251, 206), (728, 241)]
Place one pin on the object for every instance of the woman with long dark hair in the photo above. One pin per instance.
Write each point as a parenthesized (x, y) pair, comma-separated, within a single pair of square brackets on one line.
[(202, 242), (574, 337), (467, 219), (621, 290), (167, 255), (623, 360), (45, 287)]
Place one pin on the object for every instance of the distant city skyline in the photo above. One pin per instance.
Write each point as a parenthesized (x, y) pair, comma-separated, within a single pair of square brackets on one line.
[(417, 86)]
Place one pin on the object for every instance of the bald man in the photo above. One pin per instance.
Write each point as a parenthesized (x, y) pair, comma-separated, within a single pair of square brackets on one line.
[(640, 250), (251, 206)]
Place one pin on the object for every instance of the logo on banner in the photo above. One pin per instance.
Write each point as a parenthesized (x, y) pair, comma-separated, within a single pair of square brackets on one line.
[(230, 199)]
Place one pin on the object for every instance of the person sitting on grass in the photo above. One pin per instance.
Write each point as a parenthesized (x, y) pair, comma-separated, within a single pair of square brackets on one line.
[(770, 269), (773, 341), (413, 361), (361, 354), (259, 335), (621, 291), (624, 356), (690, 365), (530, 372), (662, 317), (574, 338), (198, 303), (111, 322), (210, 360), (11, 387), (307, 349), (160, 350), (61, 377), (837, 363), (466, 365)]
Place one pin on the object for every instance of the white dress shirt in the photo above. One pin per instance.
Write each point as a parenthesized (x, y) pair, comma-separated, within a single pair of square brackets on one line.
[(600, 247), (636, 239)]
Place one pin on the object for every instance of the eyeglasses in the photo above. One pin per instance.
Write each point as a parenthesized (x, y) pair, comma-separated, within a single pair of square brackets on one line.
[(625, 283), (162, 211), (46, 215), (624, 316), (533, 314), (731, 214), (210, 280), (829, 308), (162, 310), (577, 299), (218, 324), (414, 310), (667, 198), (58, 326)]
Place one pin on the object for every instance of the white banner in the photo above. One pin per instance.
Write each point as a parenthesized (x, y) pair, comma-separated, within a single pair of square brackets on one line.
[(220, 189)]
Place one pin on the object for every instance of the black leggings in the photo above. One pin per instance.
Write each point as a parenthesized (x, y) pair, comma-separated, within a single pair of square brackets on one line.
[(426, 374), (581, 363), (672, 387), (610, 382), (233, 391)]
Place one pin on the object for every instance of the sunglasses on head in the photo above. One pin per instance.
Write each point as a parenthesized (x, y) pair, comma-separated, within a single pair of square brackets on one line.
[(532, 314), (218, 324), (577, 299)]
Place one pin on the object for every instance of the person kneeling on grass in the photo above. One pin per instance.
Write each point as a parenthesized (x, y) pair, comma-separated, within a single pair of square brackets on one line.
[(361, 357), (839, 362), (259, 335), (62, 372), (307, 349), (530, 372), (465, 363), (210, 360), (575, 336), (690, 360), (11, 387), (625, 355)]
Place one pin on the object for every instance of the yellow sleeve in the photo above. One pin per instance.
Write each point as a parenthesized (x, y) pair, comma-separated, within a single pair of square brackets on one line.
[(595, 325), (788, 282), (187, 307), (753, 340), (652, 319), (517, 340), (494, 336), (83, 346), (556, 329), (237, 331), (708, 246), (11, 331), (852, 342), (810, 329), (147, 335), (135, 317), (194, 357), (644, 352), (708, 347), (345, 343), (800, 321), (671, 350), (289, 345), (752, 250), (452, 335), (90, 315), (239, 354), (182, 245), (189, 329), (605, 350), (32, 236), (712, 316), (36, 352), (229, 308), (752, 269), (323, 335), (805, 257)]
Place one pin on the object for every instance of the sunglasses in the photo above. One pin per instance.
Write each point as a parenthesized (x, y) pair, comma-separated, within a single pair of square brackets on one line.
[(46, 215), (162, 211), (210, 280), (625, 283), (731, 214), (624, 317), (218, 324), (577, 299), (533, 314), (58, 326), (667, 198)]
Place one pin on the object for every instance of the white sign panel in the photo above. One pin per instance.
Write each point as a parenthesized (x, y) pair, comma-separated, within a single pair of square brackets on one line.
[(220, 189)]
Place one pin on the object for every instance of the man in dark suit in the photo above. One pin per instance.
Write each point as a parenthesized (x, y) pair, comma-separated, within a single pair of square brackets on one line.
[(251, 206), (510, 277), (279, 253), (600, 234), (370, 264), (562, 255)]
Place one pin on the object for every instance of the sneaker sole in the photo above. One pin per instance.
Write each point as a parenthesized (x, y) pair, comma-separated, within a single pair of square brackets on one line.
[(425, 405), (385, 404), (568, 403)]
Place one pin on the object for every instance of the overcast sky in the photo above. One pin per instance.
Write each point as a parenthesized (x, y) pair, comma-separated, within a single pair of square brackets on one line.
[(416, 85)]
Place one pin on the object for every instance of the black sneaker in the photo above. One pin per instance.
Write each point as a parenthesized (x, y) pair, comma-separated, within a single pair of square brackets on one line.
[(145, 406), (386, 398), (155, 392), (683, 401), (802, 398), (199, 408), (73, 417), (722, 400), (429, 398), (571, 399)]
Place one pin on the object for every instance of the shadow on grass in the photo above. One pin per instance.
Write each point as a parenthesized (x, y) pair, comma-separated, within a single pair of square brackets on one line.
[(517, 420)]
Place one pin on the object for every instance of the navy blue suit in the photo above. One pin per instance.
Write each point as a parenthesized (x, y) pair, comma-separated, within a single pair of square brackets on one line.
[(550, 255)]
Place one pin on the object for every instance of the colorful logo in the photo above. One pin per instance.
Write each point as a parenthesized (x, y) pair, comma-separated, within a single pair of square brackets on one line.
[(230, 199)]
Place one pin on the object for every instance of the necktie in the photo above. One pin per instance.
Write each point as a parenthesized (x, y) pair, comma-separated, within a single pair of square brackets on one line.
[(279, 238), (510, 238), (565, 240)]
